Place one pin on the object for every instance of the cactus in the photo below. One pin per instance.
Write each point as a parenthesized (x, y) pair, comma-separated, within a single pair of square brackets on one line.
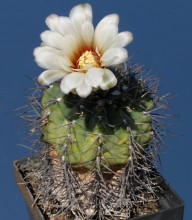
[(75, 127), (99, 124), (98, 153)]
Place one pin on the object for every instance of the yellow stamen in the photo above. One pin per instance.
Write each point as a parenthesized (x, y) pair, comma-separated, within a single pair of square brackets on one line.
[(88, 58)]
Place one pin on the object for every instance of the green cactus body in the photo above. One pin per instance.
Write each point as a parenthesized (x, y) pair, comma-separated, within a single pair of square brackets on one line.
[(75, 127)]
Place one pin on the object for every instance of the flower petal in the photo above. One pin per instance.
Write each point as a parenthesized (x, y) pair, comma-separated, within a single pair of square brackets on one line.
[(53, 39), (66, 26), (81, 17), (106, 31), (49, 76), (109, 80), (104, 37), (81, 13), (52, 22), (61, 24), (114, 56), (71, 81), (84, 90), (94, 77), (66, 43), (50, 58), (122, 39), (87, 32), (112, 19), (46, 58), (44, 48)]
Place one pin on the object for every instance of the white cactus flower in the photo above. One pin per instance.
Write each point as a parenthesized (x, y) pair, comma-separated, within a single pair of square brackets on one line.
[(73, 52)]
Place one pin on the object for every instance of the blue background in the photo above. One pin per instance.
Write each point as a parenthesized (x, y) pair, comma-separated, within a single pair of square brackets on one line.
[(162, 37)]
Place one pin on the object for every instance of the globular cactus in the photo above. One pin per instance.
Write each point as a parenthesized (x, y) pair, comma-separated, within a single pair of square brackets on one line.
[(97, 155), (74, 127)]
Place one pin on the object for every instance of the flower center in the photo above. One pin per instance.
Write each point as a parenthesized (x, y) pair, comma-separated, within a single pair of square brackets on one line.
[(88, 58)]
